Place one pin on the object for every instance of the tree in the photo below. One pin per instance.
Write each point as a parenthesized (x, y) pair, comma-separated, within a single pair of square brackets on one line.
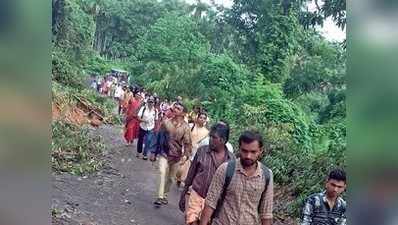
[(324, 9), (172, 51)]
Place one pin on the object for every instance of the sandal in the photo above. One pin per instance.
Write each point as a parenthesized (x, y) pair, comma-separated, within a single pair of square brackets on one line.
[(158, 202)]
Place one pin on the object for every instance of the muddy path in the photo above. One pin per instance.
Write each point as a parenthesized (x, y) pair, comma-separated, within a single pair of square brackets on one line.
[(121, 193)]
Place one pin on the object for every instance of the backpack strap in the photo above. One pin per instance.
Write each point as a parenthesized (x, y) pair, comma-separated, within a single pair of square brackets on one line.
[(193, 127), (228, 177), (143, 111), (266, 175)]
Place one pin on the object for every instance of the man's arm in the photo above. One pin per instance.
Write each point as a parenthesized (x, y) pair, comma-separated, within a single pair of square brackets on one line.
[(307, 213), (191, 173), (156, 114), (157, 150), (343, 219), (206, 215), (267, 202), (187, 143), (188, 182)]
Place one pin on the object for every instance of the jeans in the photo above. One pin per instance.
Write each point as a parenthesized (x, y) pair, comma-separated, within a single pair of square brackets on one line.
[(144, 137)]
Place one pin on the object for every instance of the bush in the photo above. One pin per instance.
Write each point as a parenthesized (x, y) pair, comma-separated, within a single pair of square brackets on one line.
[(64, 72), (73, 150)]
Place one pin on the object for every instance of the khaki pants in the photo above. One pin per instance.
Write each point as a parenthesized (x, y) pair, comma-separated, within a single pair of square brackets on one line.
[(167, 174)]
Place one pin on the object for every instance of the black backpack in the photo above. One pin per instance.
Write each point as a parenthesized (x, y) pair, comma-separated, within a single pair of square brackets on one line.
[(228, 177)]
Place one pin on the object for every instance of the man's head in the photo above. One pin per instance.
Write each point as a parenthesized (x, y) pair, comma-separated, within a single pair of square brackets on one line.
[(202, 118), (134, 91), (179, 109), (336, 183), (151, 101), (197, 108), (251, 147), (219, 135)]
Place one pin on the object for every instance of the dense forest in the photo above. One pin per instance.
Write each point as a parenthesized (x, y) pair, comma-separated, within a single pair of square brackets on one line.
[(260, 64)]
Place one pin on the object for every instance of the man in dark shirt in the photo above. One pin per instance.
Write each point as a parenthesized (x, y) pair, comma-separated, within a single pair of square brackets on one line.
[(207, 159), (327, 208)]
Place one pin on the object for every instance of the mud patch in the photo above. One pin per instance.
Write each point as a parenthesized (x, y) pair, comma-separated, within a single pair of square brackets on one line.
[(76, 115)]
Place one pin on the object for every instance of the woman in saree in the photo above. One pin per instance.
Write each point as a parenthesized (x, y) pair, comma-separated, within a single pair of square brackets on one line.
[(132, 122)]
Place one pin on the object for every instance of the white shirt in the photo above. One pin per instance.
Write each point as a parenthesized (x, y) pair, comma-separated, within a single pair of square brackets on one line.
[(149, 117), (198, 134), (119, 92), (94, 85)]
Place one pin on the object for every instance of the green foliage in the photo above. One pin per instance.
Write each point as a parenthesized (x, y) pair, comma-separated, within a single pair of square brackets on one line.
[(64, 72), (75, 28), (336, 108), (120, 24), (336, 9), (278, 42), (73, 150), (99, 65), (171, 53), (174, 39), (319, 67)]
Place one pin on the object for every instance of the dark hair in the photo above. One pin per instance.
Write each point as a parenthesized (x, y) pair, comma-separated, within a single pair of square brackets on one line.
[(222, 130), (185, 110), (337, 174), (202, 113), (151, 99), (224, 122), (250, 136)]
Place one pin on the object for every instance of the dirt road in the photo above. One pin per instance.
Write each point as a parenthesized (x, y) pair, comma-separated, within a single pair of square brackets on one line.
[(121, 193)]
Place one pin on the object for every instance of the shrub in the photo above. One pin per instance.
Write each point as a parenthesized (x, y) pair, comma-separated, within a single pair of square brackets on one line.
[(73, 150)]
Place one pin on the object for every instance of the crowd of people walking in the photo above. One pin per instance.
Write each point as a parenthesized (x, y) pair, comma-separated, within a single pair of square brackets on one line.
[(220, 186)]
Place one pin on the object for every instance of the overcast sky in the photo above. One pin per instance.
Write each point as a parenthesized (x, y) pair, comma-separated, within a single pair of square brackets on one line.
[(329, 30)]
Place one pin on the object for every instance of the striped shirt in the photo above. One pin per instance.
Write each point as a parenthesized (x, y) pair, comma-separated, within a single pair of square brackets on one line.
[(316, 211)]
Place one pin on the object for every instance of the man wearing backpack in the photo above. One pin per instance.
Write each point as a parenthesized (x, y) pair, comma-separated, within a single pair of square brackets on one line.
[(147, 116), (241, 192), (205, 163)]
